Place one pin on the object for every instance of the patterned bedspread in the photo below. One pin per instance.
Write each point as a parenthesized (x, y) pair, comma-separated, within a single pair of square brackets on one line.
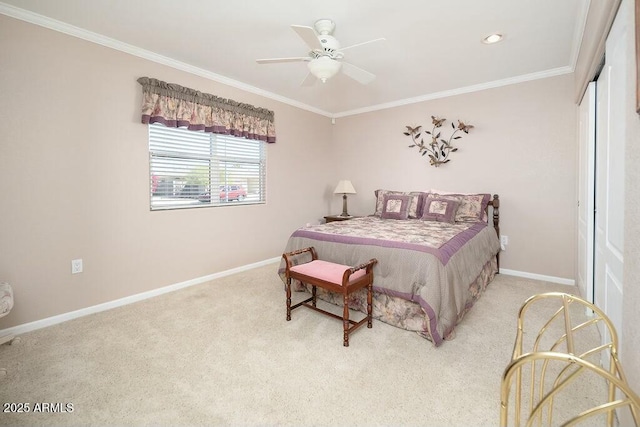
[(426, 262)]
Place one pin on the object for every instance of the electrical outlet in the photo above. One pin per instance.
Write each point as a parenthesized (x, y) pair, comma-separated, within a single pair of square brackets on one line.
[(76, 266), (504, 241)]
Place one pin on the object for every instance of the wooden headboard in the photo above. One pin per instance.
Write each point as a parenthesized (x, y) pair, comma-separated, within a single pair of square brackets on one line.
[(496, 212), (495, 203)]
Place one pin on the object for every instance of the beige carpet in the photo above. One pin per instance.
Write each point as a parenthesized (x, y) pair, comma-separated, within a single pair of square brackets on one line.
[(221, 353)]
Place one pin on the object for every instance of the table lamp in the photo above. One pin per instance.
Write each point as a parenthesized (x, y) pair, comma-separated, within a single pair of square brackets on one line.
[(344, 187)]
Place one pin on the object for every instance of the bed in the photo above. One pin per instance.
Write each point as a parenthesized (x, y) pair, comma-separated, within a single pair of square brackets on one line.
[(436, 253)]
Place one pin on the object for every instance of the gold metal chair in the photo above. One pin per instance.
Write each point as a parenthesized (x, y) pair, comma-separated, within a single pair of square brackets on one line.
[(560, 370)]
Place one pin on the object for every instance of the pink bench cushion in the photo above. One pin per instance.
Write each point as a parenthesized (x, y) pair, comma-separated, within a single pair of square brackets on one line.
[(327, 271)]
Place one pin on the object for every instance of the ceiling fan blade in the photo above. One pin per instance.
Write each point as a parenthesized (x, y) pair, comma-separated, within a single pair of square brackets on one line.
[(275, 60), (309, 36), (357, 74), (310, 80), (360, 44)]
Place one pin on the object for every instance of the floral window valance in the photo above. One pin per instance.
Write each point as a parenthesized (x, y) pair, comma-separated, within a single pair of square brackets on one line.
[(177, 106)]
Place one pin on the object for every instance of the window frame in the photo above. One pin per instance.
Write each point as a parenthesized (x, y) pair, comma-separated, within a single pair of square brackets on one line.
[(182, 172)]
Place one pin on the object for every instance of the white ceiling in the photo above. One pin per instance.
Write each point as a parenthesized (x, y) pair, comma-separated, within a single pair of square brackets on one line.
[(433, 47)]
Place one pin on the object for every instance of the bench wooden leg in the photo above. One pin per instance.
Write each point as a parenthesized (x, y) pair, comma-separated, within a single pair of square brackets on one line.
[(313, 295), (288, 286), (345, 320)]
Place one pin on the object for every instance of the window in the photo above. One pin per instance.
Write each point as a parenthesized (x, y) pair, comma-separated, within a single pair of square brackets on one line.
[(196, 169)]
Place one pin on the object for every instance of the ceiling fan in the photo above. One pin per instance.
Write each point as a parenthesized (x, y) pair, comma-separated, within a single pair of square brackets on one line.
[(325, 58)]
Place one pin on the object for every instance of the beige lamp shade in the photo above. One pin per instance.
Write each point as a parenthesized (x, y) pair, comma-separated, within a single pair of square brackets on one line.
[(344, 187)]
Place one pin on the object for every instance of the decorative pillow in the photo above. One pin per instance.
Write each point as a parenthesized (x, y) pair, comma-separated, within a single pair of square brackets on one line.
[(440, 209), (446, 193), (415, 207), (472, 207), (395, 206)]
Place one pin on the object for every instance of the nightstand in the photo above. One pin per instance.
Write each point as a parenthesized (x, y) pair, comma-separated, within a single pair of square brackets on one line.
[(331, 218)]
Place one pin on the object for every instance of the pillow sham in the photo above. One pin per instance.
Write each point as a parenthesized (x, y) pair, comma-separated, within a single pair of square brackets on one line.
[(472, 207), (395, 206), (447, 193), (415, 207), (440, 209)]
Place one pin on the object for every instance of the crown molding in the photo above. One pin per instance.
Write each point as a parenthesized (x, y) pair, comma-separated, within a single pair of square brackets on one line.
[(90, 36), (459, 91), (62, 27)]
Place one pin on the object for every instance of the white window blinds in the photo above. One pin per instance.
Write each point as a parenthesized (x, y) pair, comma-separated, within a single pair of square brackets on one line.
[(196, 169)]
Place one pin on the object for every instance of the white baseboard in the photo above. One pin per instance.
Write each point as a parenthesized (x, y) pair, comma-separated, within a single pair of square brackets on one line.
[(552, 279), (53, 320)]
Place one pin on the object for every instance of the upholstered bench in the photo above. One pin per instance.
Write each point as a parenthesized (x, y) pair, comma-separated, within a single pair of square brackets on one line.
[(333, 277)]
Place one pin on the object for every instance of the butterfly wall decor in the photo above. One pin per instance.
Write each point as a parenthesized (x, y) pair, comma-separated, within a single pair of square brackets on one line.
[(436, 147)]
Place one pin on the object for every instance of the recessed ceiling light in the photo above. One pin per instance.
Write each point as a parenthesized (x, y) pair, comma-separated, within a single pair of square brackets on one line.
[(493, 38)]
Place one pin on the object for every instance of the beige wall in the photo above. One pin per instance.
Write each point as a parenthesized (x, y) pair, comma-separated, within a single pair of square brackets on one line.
[(522, 148), (74, 176)]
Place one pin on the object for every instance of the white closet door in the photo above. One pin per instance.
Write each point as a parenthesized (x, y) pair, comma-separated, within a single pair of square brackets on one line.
[(610, 164), (586, 190)]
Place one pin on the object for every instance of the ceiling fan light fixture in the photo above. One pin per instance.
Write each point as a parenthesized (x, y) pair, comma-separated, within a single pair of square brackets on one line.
[(324, 59), (324, 67), (492, 38)]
